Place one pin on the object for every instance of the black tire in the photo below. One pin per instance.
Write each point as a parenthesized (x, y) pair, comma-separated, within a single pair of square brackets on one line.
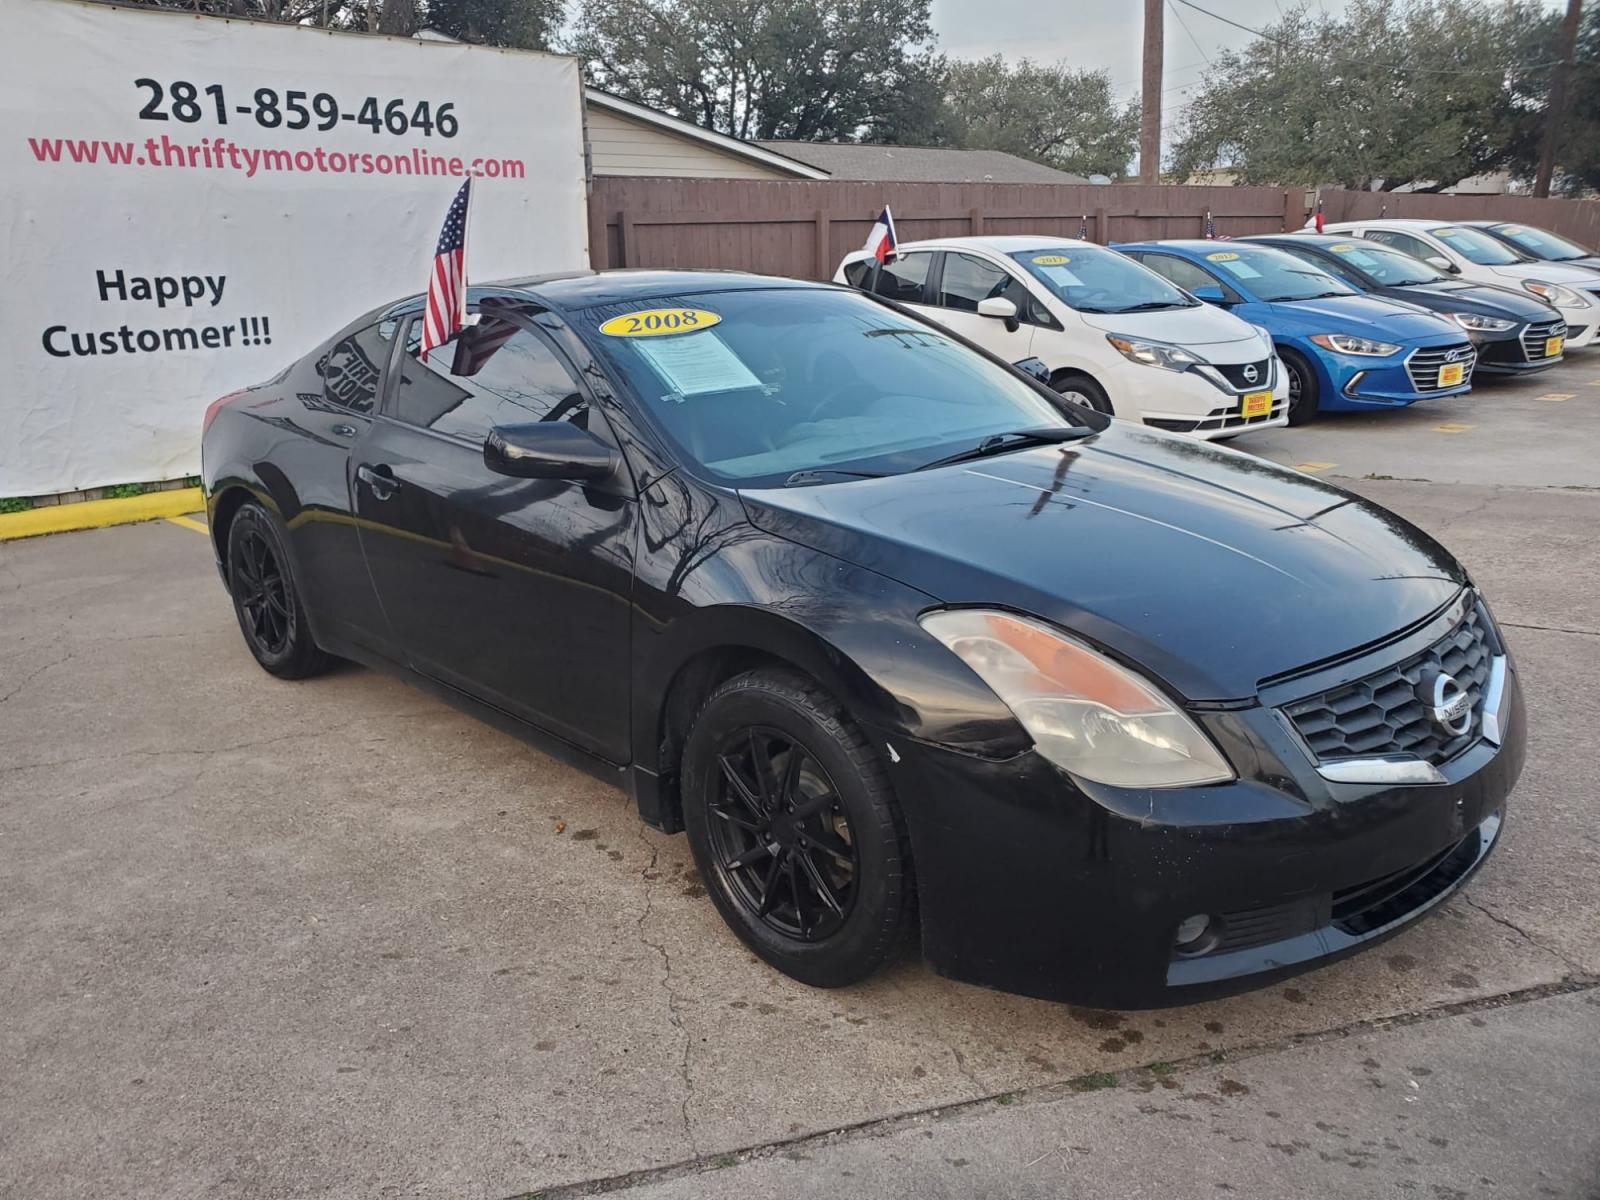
[(1304, 390), (1083, 391), (272, 616), (825, 821)]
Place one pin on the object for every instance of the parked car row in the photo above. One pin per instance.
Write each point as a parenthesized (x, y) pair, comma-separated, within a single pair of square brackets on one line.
[(1213, 338)]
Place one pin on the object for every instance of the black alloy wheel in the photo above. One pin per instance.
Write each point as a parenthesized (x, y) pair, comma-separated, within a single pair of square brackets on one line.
[(783, 843), (795, 830), (1083, 391), (1303, 388), (270, 611)]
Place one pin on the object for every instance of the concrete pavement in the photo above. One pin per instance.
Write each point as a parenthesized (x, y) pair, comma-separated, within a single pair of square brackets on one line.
[(336, 939)]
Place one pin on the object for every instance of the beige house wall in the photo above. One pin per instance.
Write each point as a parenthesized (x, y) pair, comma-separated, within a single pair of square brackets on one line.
[(619, 145)]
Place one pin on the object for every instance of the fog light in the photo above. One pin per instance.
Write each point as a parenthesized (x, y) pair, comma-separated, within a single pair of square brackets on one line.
[(1195, 935)]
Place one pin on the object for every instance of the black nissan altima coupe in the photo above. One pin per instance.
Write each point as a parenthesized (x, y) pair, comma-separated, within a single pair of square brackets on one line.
[(908, 645)]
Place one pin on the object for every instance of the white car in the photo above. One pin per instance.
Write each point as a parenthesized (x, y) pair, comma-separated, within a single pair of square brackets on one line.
[(1115, 336), (1473, 255)]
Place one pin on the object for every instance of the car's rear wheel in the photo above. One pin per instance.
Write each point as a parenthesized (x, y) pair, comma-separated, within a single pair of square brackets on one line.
[(794, 829), (1303, 387), (271, 614), (1083, 391)]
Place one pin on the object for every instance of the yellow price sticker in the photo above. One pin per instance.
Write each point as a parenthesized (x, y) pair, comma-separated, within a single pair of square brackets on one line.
[(1342, 248), (1511, 230), (1051, 260), (659, 322), (1224, 256)]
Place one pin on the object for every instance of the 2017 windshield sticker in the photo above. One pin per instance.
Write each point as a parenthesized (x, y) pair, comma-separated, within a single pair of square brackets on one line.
[(1342, 248), (1051, 260), (1511, 230), (659, 322), (1222, 256)]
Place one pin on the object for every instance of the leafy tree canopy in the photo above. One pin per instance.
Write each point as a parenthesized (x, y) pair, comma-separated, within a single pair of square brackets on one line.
[(807, 69), (524, 24), (1065, 118), (1389, 93)]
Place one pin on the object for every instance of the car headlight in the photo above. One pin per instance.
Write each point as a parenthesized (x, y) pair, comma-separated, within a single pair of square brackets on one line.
[(1481, 324), (1153, 354), (1344, 343), (1554, 293), (1085, 713)]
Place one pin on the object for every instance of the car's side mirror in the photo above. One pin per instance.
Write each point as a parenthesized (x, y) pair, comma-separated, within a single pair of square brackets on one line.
[(1440, 263), (1211, 293), (1034, 367), (548, 450), (1001, 309)]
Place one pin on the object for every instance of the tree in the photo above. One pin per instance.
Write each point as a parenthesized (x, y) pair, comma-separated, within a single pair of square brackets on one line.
[(525, 24), (1065, 118), (1578, 150), (806, 69), (1390, 93)]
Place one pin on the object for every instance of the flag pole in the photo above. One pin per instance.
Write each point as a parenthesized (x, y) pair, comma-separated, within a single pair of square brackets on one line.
[(466, 232)]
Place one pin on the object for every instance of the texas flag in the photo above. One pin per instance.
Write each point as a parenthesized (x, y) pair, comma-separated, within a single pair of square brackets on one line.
[(881, 242), (1321, 219)]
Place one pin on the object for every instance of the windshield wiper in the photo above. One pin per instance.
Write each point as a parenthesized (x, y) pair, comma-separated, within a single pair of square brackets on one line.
[(1313, 296), (818, 474), (999, 443), (1155, 306)]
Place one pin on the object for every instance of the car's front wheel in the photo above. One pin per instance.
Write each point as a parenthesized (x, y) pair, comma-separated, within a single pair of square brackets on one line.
[(1083, 391), (1303, 387), (271, 614), (794, 829)]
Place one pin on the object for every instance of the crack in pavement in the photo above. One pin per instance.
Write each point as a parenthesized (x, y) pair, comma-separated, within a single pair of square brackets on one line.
[(881, 1127), (673, 1015), (21, 687), (1551, 629), (1576, 967)]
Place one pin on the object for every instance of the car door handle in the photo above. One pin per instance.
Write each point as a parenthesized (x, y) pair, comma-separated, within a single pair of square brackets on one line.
[(343, 430), (382, 483)]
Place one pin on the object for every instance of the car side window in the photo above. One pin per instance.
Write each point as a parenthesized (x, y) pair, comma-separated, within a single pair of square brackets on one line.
[(1182, 272), (492, 373), (352, 369), (967, 280), (903, 278), (1404, 242)]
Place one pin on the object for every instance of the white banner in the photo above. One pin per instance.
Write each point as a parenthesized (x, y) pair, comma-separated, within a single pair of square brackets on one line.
[(188, 204)]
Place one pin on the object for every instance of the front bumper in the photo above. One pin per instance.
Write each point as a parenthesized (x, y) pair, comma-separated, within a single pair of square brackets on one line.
[(1518, 351), (1386, 382), (1032, 882), (1204, 405)]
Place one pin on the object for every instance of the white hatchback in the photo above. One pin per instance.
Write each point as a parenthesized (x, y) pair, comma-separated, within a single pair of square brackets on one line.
[(1471, 254), (1115, 335)]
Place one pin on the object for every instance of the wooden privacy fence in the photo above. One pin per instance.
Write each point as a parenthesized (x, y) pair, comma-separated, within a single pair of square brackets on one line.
[(803, 229), (1576, 219)]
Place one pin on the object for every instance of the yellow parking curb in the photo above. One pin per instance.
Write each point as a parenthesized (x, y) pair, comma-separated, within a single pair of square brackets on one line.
[(96, 514)]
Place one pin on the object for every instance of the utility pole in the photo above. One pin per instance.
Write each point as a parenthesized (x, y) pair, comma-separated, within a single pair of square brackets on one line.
[(1150, 125), (1556, 113)]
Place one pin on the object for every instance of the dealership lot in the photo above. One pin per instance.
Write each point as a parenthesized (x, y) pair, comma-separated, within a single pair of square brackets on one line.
[(335, 938)]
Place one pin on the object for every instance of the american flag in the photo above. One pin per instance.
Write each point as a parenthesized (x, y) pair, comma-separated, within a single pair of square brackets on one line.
[(1211, 230), (446, 310), (1083, 228)]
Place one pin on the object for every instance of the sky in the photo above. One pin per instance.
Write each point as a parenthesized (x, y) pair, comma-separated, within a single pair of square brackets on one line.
[(1108, 33)]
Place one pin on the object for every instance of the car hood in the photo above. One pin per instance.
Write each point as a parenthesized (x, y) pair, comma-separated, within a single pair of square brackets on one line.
[(1366, 316), (1211, 569), (1488, 298), (1547, 272), (1205, 325)]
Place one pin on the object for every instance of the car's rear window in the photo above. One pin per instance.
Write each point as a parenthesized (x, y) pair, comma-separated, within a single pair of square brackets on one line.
[(754, 385)]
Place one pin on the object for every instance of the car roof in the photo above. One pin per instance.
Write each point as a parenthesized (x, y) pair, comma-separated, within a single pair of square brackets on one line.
[(1001, 243), (1424, 223), (1192, 245), (571, 290)]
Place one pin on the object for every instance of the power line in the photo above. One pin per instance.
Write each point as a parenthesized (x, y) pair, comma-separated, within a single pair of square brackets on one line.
[(1294, 45), (1189, 31)]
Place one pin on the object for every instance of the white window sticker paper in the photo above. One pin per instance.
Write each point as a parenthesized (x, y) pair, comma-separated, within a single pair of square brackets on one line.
[(1240, 268), (1061, 277), (694, 364)]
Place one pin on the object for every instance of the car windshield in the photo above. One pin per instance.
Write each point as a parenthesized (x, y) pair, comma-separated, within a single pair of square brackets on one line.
[(756, 386), (1476, 246), (1392, 268), (1541, 243), (1091, 279), (1273, 275)]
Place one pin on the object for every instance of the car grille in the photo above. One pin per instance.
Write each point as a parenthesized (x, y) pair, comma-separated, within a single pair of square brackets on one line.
[(1236, 374), (1423, 365), (1381, 714), (1378, 902), (1536, 337)]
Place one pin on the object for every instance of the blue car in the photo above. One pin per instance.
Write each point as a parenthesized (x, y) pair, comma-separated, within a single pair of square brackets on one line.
[(1342, 351)]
